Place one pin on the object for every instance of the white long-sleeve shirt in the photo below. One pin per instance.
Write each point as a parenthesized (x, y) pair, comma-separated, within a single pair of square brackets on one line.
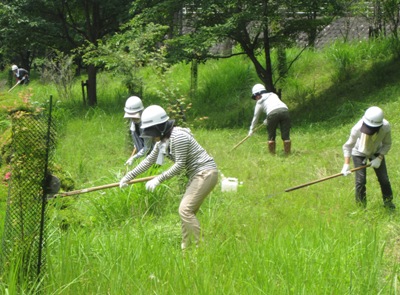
[(360, 144), (186, 153), (266, 104)]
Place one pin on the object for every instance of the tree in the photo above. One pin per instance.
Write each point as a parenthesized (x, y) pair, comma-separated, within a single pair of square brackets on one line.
[(17, 43), (135, 46), (257, 26), (66, 25)]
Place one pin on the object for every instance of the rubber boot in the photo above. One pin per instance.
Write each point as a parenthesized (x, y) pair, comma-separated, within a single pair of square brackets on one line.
[(361, 200), (387, 203), (287, 144), (271, 146)]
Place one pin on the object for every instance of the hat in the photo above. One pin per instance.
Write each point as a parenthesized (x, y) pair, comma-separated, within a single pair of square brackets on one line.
[(369, 130), (132, 115)]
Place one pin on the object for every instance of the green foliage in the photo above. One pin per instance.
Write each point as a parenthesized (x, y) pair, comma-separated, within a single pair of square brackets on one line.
[(343, 58), (127, 52), (59, 69)]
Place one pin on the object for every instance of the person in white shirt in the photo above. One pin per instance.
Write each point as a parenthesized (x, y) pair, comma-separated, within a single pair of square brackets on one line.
[(178, 145), (370, 139), (277, 116)]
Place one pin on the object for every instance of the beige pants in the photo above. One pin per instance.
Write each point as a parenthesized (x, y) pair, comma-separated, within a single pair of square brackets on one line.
[(197, 190)]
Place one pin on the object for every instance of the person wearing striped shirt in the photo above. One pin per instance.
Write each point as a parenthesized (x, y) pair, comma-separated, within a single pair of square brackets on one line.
[(178, 145)]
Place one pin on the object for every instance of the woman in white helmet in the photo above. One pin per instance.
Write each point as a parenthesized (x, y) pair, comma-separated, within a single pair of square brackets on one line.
[(21, 75), (277, 115), (133, 111), (370, 139), (178, 145)]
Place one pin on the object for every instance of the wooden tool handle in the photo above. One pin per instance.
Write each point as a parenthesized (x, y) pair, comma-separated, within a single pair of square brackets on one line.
[(323, 179), (96, 188)]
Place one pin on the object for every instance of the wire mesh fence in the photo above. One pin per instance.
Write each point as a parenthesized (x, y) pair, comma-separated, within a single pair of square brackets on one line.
[(24, 236)]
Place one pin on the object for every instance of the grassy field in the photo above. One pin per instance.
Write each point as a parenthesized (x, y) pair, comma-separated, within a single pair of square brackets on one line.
[(258, 240)]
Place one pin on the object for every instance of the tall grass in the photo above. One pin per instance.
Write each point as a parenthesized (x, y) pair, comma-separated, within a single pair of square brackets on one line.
[(258, 240)]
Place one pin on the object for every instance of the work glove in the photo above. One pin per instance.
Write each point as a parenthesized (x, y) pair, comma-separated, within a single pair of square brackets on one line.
[(376, 163), (265, 122), (346, 169), (130, 161), (152, 184), (250, 133), (123, 183)]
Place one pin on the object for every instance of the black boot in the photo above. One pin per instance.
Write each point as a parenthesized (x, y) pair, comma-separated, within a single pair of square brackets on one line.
[(387, 203), (361, 201)]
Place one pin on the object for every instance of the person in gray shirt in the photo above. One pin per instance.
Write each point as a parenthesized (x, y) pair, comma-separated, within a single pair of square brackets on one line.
[(370, 139)]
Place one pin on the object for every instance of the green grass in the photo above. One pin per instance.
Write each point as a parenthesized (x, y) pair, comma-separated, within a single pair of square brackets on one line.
[(259, 240)]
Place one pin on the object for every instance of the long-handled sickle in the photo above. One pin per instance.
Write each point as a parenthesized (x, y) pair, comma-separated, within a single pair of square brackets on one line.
[(244, 139), (15, 85), (96, 188), (323, 179)]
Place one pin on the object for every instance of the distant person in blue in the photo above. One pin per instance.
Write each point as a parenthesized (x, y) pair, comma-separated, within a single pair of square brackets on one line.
[(370, 139), (277, 116), (133, 112), (21, 75)]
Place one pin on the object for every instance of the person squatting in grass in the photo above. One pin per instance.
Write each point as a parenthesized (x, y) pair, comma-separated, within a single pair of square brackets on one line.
[(178, 145), (277, 115), (21, 75), (370, 139), (141, 146)]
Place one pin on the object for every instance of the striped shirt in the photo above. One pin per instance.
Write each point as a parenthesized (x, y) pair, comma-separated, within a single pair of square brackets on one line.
[(186, 153)]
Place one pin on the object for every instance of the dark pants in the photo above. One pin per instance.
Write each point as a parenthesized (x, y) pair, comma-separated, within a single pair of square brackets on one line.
[(281, 118), (361, 180)]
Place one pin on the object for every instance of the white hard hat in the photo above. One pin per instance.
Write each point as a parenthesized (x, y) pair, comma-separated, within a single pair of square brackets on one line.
[(133, 105), (153, 115), (373, 117), (258, 89), (14, 67)]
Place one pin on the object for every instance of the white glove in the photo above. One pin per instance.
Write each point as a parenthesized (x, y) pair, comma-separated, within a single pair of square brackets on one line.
[(346, 169), (130, 161), (152, 184), (250, 133), (123, 183), (376, 163), (265, 122)]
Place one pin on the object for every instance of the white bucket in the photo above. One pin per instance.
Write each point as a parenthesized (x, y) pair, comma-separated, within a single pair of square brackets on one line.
[(229, 184)]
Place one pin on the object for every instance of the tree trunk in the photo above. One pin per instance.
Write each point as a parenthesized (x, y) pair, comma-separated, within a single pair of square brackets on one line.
[(282, 61), (269, 84), (193, 77), (92, 93), (93, 25)]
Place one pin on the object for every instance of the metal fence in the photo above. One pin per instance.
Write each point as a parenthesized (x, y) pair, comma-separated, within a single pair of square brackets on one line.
[(24, 237)]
